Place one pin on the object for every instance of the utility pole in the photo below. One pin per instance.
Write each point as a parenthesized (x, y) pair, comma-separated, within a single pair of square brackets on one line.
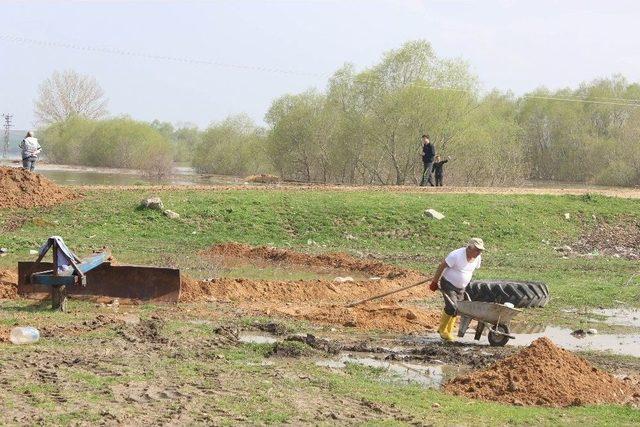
[(7, 130)]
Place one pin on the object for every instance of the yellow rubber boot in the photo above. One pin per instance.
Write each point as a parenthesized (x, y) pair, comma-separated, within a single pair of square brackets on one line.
[(449, 328), (445, 321)]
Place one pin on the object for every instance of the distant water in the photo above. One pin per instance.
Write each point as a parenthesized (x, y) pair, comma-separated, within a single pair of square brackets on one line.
[(79, 175)]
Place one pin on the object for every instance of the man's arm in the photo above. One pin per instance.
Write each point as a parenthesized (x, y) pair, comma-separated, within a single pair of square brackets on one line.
[(438, 274)]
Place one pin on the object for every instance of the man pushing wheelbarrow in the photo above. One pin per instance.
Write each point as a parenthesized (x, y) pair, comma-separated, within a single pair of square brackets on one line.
[(452, 277)]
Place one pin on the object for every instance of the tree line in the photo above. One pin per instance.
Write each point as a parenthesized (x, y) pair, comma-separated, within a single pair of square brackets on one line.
[(365, 128)]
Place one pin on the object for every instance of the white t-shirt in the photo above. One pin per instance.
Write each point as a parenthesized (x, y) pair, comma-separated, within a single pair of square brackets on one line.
[(459, 270)]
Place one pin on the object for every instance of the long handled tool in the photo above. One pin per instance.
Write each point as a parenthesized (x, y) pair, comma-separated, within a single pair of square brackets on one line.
[(353, 304)]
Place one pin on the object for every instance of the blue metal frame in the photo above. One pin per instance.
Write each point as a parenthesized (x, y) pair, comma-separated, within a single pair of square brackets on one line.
[(86, 265)]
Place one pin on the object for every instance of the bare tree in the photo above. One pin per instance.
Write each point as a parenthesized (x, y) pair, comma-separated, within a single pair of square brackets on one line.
[(69, 94)]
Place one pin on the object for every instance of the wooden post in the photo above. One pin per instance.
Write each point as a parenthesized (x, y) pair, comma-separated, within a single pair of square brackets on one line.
[(59, 298)]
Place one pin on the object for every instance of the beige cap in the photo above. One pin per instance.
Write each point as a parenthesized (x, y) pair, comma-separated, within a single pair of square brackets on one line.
[(477, 243)]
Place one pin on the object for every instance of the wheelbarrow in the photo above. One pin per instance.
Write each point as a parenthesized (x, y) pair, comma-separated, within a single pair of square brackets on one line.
[(495, 317)]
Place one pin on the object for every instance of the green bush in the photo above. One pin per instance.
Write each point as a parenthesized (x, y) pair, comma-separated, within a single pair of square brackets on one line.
[(116, 143), (234, 146)]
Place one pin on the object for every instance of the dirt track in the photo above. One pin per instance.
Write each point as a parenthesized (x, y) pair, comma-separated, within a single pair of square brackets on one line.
[(628, 193)]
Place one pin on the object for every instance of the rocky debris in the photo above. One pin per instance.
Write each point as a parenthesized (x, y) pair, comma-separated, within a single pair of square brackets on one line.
[(432, 213), (619, 239), (312, 341), (272, 328), (171, 214), (291, 349), (228, 332), (542, 375), (152, 203), (23, 189)]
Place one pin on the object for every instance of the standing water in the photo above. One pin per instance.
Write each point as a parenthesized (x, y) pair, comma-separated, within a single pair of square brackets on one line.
[(24, 335)]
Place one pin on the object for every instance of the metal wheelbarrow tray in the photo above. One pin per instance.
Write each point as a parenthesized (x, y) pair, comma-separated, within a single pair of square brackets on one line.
[(495, 317)]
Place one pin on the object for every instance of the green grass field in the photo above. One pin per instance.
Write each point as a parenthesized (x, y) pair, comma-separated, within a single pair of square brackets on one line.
[(520, 231), (241, 384)]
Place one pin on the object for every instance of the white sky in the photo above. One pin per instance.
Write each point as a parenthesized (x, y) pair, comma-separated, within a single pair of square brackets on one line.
[(517, 45)]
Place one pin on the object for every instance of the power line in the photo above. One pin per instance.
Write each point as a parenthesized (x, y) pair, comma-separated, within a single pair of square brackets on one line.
[(623, 102), (184, 60)]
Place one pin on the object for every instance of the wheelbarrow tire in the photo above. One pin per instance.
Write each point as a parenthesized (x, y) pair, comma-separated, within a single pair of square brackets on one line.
[(520, 294), (497, 340)]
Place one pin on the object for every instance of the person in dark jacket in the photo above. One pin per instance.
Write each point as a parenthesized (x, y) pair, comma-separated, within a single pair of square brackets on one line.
[(428, 154), (438, 169)]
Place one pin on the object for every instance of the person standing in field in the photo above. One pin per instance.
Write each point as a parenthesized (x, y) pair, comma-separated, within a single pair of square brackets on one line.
[(452, 277), (30, 150), (438, 170), (428, 154)]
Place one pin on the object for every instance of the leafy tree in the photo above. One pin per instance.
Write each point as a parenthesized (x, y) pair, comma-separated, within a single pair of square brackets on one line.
[(234, 146)]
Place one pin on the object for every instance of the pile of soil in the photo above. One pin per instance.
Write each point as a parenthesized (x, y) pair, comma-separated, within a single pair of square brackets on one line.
[(23, 189), (370, 316), (545, 375), (621, 239), (297, 291), (8, 284), (319, 301), (333, 260)]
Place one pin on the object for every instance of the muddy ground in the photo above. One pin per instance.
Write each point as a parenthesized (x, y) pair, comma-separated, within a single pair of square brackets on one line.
[(187, 364), (233, 349)]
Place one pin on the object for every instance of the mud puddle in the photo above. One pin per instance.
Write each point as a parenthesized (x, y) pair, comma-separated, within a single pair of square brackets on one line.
[(257, 339), (390, 360), (619, 316), (620, 344), (432, 376)]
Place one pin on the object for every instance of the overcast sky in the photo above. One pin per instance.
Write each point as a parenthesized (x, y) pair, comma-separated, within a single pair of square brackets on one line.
[(517, 45)]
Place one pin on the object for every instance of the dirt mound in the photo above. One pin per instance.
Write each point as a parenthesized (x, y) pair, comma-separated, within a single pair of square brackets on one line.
[(8, 284), (22, 189), (388, 316), (319, 301), (620, 239), (543, 374), (301, 291), (332, 260), (263, 178)]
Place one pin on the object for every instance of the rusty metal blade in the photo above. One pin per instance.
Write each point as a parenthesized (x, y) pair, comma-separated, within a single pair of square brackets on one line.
[(157, 284)]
